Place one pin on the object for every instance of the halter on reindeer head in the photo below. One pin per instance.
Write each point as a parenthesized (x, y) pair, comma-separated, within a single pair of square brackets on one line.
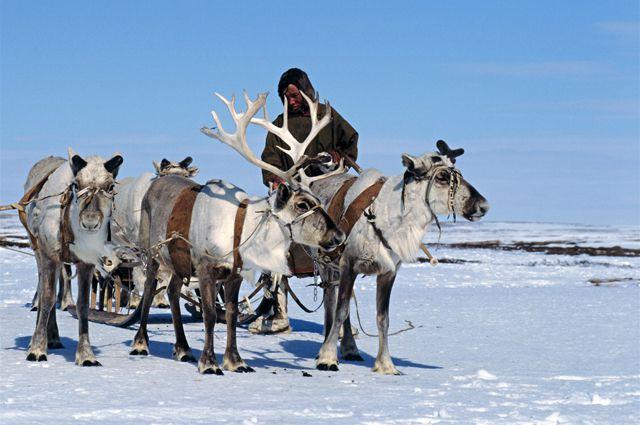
[(446, 191)]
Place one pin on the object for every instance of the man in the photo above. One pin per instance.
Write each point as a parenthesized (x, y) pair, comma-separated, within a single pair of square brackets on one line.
[(338, 138)]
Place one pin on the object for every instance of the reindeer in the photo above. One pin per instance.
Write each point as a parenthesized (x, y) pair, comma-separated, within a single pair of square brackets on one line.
[(125, 226), (126, 211), (386, 231), (228, 232), (67, 217)]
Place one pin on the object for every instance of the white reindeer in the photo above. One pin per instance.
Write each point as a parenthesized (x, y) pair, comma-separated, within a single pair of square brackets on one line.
[(125, 226), (387, 233), (292, 213), (68, 221)]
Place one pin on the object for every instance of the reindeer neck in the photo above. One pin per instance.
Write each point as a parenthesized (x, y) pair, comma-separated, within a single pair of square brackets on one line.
[(269, 243), (403, 222)]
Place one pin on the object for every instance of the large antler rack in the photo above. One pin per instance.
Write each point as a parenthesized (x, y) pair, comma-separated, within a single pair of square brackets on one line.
[(238, 140)]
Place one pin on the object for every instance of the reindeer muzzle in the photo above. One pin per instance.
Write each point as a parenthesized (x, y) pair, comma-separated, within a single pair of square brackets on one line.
[(334, 241)]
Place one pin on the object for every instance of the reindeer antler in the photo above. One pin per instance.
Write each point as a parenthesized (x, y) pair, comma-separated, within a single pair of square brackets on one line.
[(238, 140), (296, 149)]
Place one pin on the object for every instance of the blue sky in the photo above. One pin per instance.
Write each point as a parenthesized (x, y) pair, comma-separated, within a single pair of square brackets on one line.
[(544, 96)]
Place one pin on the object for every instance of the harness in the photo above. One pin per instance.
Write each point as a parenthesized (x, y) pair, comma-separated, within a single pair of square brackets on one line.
[(178, 224), (352, 213), (26, 199), (454, 183)]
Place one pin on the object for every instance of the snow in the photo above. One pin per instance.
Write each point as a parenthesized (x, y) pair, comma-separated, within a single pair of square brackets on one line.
[(514, 337)]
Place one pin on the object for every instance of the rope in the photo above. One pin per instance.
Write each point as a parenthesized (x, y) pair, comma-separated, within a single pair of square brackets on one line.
[(297, 300), (17, 250), (409, 327)]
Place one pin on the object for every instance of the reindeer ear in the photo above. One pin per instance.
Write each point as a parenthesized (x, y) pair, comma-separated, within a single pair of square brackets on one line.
[(113, 165), (409, 162), (186, 162), (164, 162), (156, 166), (77, 164), (192, 171), (282, 196)]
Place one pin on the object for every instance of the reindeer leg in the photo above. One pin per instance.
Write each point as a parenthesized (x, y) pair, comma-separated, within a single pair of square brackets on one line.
[(208, 291), (139, 280), (160, 300), (383, 363), (35, 301), (329, 301), (84, 352), (181, 350), (141, 340), (328, 356), (65, 295), (53, 336), (232, 360), (47, 269), (348, 347)]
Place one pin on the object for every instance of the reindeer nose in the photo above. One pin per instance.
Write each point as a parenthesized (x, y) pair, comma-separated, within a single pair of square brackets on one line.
[(481, 210), (337, 240)]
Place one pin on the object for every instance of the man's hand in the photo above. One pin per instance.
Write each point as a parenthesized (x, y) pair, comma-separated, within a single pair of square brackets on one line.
[(274, 182)]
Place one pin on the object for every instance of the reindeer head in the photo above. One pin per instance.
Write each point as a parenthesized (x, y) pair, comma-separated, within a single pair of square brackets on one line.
[(434, 178), (90, 206), (301, 212), (181, 168), (293, 203)]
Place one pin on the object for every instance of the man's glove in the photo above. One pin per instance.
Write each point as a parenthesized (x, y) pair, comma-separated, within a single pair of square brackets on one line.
[(274, 182)]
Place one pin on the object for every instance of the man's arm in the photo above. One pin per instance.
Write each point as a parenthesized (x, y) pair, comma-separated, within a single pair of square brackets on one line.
[(345, 138)]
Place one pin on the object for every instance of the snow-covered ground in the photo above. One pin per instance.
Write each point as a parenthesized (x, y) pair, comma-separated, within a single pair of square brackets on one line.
[(506, 337)]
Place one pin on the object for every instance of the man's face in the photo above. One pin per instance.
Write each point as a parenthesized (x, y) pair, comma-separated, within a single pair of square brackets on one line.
[(294, 99)]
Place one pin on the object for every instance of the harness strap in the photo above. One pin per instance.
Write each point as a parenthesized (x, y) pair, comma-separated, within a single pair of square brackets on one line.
[(66, 233), (241, 213), (336, 205), (28, 196), (362, 201), (180, 222), (353, 213)]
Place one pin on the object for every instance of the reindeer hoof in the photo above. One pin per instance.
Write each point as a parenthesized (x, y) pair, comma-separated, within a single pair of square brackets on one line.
[(187, 358), (183, 355), (65, 306), (89, 363), (244, 369), (327, 367), (54, 345), (33, 357), (139, 352), (212, 371), (353, 357)]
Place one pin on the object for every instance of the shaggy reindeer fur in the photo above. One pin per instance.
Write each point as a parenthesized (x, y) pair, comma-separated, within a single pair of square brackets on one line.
[(127, 209), (403, 223), (89, 221), (269, 228)]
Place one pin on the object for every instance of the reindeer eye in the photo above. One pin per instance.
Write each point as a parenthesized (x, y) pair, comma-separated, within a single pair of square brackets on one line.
[(442, 177), (303, 206)]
